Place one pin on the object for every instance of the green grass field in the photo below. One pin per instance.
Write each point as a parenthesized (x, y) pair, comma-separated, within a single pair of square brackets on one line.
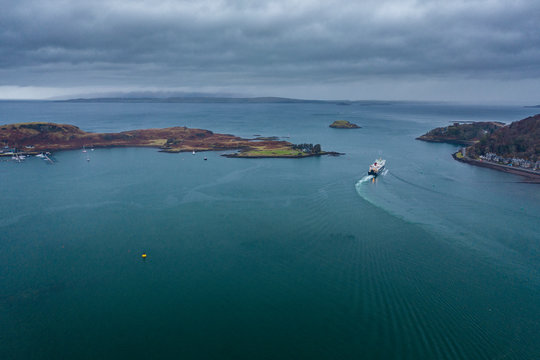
[(273, 152)]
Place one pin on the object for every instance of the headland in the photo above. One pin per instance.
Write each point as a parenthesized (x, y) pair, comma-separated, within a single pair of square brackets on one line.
[(513, 148), (461, 133)]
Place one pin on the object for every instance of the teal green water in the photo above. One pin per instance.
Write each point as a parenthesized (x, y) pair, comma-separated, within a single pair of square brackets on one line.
[(267, 258)]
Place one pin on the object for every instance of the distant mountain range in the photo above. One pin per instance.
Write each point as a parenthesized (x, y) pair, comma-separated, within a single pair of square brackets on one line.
[(224, 100)]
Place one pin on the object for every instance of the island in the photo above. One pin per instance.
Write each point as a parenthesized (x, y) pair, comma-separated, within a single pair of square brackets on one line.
[(343, 124), (513, 148), (38, 137)]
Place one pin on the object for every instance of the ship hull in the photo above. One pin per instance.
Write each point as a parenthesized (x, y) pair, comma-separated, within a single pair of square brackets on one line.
[(375, 173)]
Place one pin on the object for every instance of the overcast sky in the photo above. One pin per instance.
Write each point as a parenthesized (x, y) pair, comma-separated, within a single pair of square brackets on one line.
[(464, 50)]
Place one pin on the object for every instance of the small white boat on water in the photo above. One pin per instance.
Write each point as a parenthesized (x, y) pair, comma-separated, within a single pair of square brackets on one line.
[(193, 152), (18, 157), (377, 167)]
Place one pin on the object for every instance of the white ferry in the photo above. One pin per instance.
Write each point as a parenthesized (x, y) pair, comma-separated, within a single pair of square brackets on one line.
[(377, 167)]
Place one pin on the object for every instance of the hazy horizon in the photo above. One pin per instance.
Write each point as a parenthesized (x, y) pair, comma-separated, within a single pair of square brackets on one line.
[(485, 51)]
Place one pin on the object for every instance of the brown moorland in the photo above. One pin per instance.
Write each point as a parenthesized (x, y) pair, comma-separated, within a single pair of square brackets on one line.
[(37, 137)]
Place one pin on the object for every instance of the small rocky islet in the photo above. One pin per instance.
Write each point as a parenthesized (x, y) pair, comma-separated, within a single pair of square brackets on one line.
[(344, 124)]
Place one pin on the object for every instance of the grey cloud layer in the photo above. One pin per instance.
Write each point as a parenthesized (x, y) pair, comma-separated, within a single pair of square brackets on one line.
[(244, 42)]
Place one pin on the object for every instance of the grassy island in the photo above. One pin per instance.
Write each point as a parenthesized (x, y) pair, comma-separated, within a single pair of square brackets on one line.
[(37, 137), (343, 124), (287, 150)]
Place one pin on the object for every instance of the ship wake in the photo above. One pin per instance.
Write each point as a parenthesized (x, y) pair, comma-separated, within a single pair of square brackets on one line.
[(366, 178)]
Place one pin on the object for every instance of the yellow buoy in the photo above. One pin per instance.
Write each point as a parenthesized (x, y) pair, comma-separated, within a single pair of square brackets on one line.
[(143, 256)]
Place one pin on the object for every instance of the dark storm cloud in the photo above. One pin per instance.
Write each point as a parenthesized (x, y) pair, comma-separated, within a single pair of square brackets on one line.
[(168, 43)]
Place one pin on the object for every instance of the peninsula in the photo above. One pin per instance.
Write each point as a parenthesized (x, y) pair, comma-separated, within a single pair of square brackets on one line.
[(461, 133), (343, 124), (513, 148), (37, 137)]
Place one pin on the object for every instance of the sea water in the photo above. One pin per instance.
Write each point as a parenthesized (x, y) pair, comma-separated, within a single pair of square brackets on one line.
[(267, 258)]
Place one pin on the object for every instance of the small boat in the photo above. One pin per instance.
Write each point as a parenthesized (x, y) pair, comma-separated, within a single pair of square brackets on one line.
[(377, 167), (41, 156), (83, 149), (205, 158), (193, 152), (18, 157)]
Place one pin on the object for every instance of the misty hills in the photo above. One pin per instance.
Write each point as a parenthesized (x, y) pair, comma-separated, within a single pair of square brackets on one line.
[(223, 100)]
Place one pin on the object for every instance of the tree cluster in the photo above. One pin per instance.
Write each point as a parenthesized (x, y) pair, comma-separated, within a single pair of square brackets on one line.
[(308, 148), (466, 132), (521, 139)]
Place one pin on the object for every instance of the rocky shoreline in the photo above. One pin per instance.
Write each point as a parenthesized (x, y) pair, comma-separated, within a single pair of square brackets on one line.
[(37, 137), (276, 156), (446, 140)]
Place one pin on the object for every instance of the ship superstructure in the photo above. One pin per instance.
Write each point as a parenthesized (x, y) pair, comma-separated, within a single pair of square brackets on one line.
[(377, 167)]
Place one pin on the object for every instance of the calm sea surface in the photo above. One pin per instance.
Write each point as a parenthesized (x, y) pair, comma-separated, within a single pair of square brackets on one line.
[(267, 258)]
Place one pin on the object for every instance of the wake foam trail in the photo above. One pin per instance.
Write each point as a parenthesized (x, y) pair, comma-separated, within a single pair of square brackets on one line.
[(360, 187), (364, 179)]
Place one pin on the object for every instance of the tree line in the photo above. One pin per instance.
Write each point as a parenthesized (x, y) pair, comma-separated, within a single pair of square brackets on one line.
[(308, 148)]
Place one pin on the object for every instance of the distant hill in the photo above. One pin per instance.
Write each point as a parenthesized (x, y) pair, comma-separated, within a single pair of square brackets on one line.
[(461, 134), (223, 100), (520, 139)]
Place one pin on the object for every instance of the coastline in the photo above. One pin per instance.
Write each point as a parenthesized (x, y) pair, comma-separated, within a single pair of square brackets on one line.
[(446, 140), (530, 176), (38, 137), (243, 156)]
